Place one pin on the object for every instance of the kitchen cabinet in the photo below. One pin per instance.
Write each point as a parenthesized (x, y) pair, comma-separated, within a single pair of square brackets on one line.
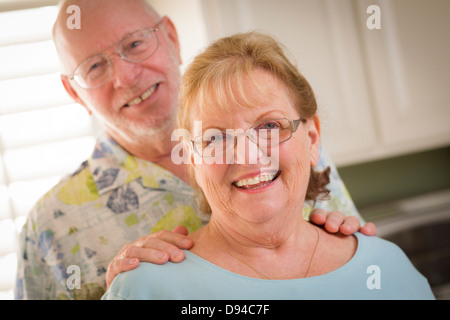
[(409, 74), (381, 91)]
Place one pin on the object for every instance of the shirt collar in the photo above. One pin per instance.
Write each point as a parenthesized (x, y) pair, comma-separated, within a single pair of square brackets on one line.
[(112, 167)]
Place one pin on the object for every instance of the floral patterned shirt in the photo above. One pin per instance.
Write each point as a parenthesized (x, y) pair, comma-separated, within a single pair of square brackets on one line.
[(81, 224)]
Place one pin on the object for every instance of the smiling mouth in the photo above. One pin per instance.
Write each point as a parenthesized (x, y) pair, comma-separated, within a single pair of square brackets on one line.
[(258, 181), (143, 96)]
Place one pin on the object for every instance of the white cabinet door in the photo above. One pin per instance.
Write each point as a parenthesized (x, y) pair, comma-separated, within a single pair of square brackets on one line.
[(408, 62), (323, 40)]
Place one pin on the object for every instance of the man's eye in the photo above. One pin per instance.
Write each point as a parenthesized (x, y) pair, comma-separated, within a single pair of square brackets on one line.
[(134, 44), (96, 67)]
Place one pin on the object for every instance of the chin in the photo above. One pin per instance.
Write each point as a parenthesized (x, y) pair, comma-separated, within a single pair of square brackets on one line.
[(151, 127), (262, 211)]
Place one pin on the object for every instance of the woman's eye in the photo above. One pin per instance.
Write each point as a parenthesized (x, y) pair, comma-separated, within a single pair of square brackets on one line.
[(271, 125), (217, 138)]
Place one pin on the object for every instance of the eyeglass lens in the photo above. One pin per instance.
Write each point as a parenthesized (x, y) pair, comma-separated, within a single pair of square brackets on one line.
[(135, 47), (216, 143)]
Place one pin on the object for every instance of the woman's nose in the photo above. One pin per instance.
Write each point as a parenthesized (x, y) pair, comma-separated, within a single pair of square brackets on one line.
[(246, 151)]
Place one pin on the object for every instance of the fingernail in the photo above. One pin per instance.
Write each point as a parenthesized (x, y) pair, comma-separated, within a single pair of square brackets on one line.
[(160, 255), (132, 261), (186, 242), (178, 254)]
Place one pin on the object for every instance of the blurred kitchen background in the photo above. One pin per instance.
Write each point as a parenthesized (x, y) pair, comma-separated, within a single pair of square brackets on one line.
[(384, 101)]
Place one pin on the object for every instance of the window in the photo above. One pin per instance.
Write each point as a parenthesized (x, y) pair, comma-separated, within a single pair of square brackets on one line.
[(43, 134)]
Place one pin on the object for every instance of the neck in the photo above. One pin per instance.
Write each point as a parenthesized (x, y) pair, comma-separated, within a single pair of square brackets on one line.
[(257, 251), (248, 237)]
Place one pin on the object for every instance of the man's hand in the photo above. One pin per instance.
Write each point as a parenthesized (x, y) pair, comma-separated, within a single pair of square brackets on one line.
[(157, 248), (335, 221)]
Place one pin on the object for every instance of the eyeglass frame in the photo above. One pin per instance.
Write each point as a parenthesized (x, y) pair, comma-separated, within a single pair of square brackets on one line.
[(116, 51), (294, 124)]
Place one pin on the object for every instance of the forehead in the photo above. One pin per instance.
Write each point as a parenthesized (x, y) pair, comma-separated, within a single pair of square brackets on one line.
[(260, 93), (102, 24)]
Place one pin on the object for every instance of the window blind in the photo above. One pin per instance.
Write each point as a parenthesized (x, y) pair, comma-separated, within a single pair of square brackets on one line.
[(43, 134)]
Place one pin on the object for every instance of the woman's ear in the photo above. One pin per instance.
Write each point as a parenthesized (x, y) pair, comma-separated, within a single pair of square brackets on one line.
[(314, 136), (71, 91)]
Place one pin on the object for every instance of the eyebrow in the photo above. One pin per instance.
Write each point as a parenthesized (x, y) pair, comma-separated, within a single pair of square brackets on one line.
[(272, 114)]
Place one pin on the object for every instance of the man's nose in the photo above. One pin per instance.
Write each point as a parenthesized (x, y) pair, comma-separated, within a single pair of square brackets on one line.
[(125, 74)]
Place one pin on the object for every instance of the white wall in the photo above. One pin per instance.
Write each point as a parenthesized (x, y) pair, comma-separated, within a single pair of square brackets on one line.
[(187, 16)]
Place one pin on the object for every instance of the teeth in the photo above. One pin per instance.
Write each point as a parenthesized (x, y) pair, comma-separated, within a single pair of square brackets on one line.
[(255, 180), (144, 96), (135, 101), (148, 93)]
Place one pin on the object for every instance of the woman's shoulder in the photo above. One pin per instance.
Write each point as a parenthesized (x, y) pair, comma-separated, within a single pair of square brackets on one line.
[(394, 268), (334, 251), (379, 269), (135, 284), (359, 249), (377, 246), (152, 281)]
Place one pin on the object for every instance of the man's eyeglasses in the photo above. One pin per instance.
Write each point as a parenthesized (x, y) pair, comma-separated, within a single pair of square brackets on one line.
[(267, 133), (135, 47)]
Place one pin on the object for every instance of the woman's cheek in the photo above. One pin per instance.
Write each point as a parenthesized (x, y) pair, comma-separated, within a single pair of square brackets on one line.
[(295, 166), (210, 179)]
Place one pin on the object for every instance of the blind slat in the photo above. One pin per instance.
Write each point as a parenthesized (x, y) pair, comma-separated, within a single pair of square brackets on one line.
[(47, 159), (31, 93), (28, 25), (44, 125), (28, 59)]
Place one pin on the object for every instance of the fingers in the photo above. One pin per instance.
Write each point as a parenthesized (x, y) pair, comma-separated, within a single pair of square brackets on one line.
[(177, 238), (153, 251), (335, 221), (157, 248), (118, 266), (369, 229), (318, 217), (331, 220), (130, 256), (181, 230), (350, 225)]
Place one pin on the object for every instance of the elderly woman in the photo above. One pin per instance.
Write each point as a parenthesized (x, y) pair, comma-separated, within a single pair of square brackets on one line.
[(252, 163)]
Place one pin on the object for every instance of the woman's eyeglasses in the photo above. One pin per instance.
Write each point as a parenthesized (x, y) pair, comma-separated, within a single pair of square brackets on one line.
[(267, 133)]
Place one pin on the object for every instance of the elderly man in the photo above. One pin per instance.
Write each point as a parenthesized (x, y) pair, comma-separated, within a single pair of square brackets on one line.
[(123, 67)]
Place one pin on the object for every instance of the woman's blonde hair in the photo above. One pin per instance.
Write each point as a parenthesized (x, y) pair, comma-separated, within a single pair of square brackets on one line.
[(215, 79)]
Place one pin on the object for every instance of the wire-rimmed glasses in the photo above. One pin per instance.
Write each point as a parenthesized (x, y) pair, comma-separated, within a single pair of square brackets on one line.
[(134, 47), (215, 143)]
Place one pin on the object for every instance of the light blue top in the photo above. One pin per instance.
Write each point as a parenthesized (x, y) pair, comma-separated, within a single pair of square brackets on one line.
[(378, 270)]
